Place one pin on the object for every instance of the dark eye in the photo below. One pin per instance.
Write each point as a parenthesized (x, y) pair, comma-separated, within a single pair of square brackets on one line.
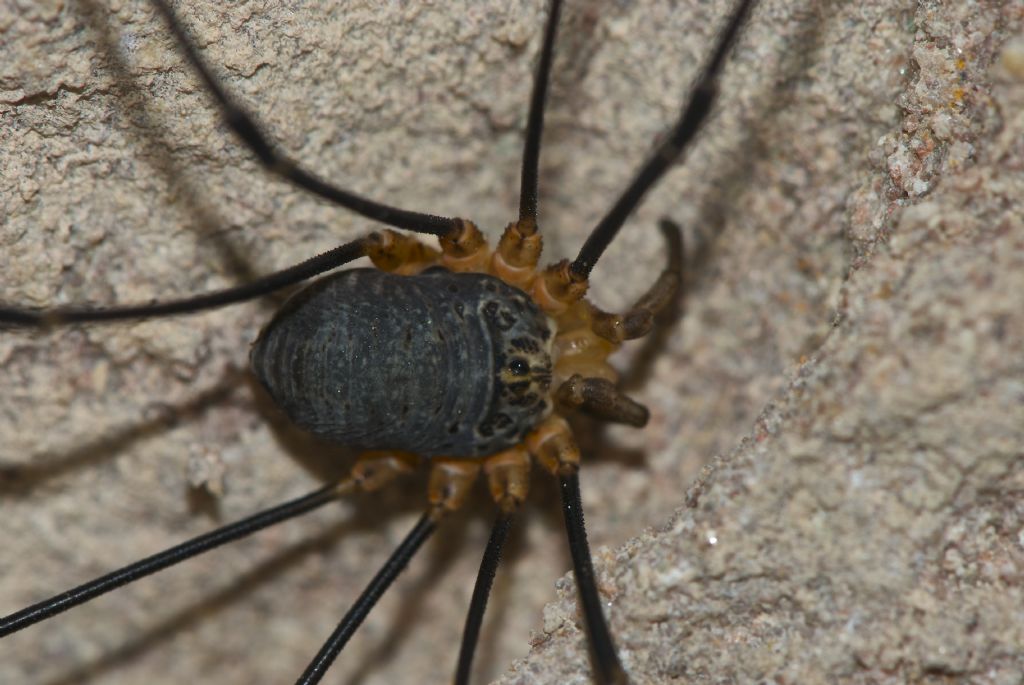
[(519, 367)]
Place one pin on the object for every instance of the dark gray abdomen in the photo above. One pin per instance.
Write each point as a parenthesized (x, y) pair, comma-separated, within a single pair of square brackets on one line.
[(378, 361)]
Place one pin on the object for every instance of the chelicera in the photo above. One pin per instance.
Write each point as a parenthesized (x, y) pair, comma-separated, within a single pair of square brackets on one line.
[(465, 357)]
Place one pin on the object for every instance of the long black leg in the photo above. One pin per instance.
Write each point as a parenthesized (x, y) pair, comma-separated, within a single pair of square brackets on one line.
[(607, 669), (481, 592), (353, 619), (157, 562), (27, 318), (668, 152), (274, 161), (535, 121)]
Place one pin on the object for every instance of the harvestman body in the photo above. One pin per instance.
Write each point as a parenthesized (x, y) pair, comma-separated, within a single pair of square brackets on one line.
[(465, 358), (346, 352)]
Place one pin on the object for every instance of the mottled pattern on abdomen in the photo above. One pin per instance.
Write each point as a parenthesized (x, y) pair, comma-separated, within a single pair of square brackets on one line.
[(378, 361)]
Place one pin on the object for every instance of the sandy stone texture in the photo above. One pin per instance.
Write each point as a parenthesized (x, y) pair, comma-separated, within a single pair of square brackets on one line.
[(830, 487)]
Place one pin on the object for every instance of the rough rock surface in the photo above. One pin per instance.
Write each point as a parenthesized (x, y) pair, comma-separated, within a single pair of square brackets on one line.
[(848, 368)]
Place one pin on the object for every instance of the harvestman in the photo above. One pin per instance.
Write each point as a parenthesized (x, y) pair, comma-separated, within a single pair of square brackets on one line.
[(530, 347)]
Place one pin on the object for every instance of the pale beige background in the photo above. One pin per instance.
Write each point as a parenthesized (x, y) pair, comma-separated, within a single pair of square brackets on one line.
[(851, 343)]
